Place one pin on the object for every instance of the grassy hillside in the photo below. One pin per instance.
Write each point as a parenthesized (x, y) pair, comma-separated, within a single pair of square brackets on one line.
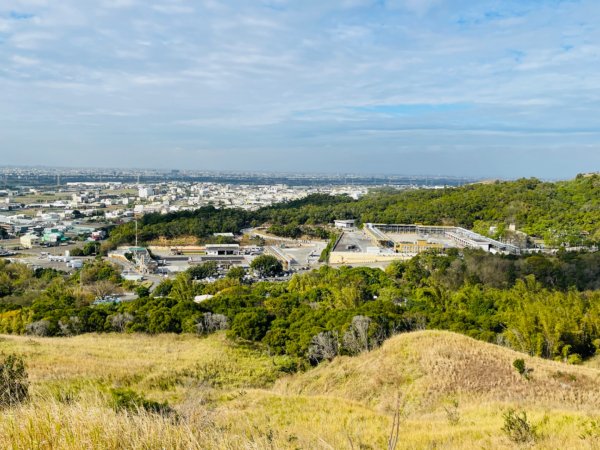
[(432, 366), (451, 392)]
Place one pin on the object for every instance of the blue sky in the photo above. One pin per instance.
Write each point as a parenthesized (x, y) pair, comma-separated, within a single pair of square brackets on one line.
[(484, 88)]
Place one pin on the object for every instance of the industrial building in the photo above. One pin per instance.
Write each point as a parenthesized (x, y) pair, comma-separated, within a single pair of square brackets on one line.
[(415, 239), (417, 246), (29, 241), (222, 249), (347, 223), (382, 243), (223, 261)]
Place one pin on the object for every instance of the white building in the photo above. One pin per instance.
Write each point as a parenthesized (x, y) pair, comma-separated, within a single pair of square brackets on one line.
[(222, 249), (145, 192), (344, 223)]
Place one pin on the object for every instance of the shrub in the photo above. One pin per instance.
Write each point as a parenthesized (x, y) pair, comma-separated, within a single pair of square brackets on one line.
[(129, 400), (452, 412), (206, 270), (40, 328), (119, 321), (142, 291), (523, 370), (357, 339), (324, 345), (236, 273), (251, 325), (519, 364), (14, 381), (209, 323), (518, 428)]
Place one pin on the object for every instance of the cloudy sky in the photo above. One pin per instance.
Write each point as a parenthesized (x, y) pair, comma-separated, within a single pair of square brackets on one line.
[(501, 88)]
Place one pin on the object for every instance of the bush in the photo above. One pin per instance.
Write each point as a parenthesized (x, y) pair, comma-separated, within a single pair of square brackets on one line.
[(324, 345), (452, 412), (14, 381), (129, 400), (518, 428), (523, 370), (40, 328), (519, 364), (236, 273), (206, 270), (251, 325), (209, 323), (142, 291)]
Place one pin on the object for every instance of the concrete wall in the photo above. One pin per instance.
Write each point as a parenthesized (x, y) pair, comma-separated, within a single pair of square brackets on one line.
[(360, 257)]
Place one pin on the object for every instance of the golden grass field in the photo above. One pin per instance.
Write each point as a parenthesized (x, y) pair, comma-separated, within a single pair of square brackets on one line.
[(450, 392)]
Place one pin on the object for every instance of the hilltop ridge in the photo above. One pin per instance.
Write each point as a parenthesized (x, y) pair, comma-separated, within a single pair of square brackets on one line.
[(429, 366)]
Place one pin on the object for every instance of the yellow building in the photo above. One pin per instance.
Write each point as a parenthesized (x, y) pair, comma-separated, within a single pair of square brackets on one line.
[(418, 246)]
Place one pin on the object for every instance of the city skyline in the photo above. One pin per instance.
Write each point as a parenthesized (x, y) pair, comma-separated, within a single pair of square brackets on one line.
[(389, 87)]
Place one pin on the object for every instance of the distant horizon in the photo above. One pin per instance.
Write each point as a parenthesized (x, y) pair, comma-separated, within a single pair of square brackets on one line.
[(217, 172)]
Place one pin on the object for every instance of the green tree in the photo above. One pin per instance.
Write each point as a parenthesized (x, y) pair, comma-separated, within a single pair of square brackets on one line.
[(183, 287), (267, 266), (236, 273), (142, 291), (205, 270)]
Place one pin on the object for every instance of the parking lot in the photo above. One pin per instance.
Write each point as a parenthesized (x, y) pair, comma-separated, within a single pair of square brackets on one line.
[(353, 241), (307, 255)]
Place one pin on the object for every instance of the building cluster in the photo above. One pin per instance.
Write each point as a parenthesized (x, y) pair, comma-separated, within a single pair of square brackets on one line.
[(31, 210), (387, 242), (48, 229), (414, 239)]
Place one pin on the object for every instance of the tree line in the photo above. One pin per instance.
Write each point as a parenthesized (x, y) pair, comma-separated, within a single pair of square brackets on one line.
[(542, 305)]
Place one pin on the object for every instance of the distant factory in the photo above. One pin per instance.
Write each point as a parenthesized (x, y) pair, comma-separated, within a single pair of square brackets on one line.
[(381, 243)]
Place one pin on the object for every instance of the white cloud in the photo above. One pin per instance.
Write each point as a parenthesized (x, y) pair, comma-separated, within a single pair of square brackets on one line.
[(118, 4), (31, 40), (24, 61), (173, 9), (417, 6)]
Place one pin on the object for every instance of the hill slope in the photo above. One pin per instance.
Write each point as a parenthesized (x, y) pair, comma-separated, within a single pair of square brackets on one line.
[(453, 393), (429, 366)]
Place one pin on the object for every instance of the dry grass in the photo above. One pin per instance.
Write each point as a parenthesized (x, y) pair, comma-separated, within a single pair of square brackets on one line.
[(163, 241), (163, 366), (432, 365), (452, 390), (594, 362)]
